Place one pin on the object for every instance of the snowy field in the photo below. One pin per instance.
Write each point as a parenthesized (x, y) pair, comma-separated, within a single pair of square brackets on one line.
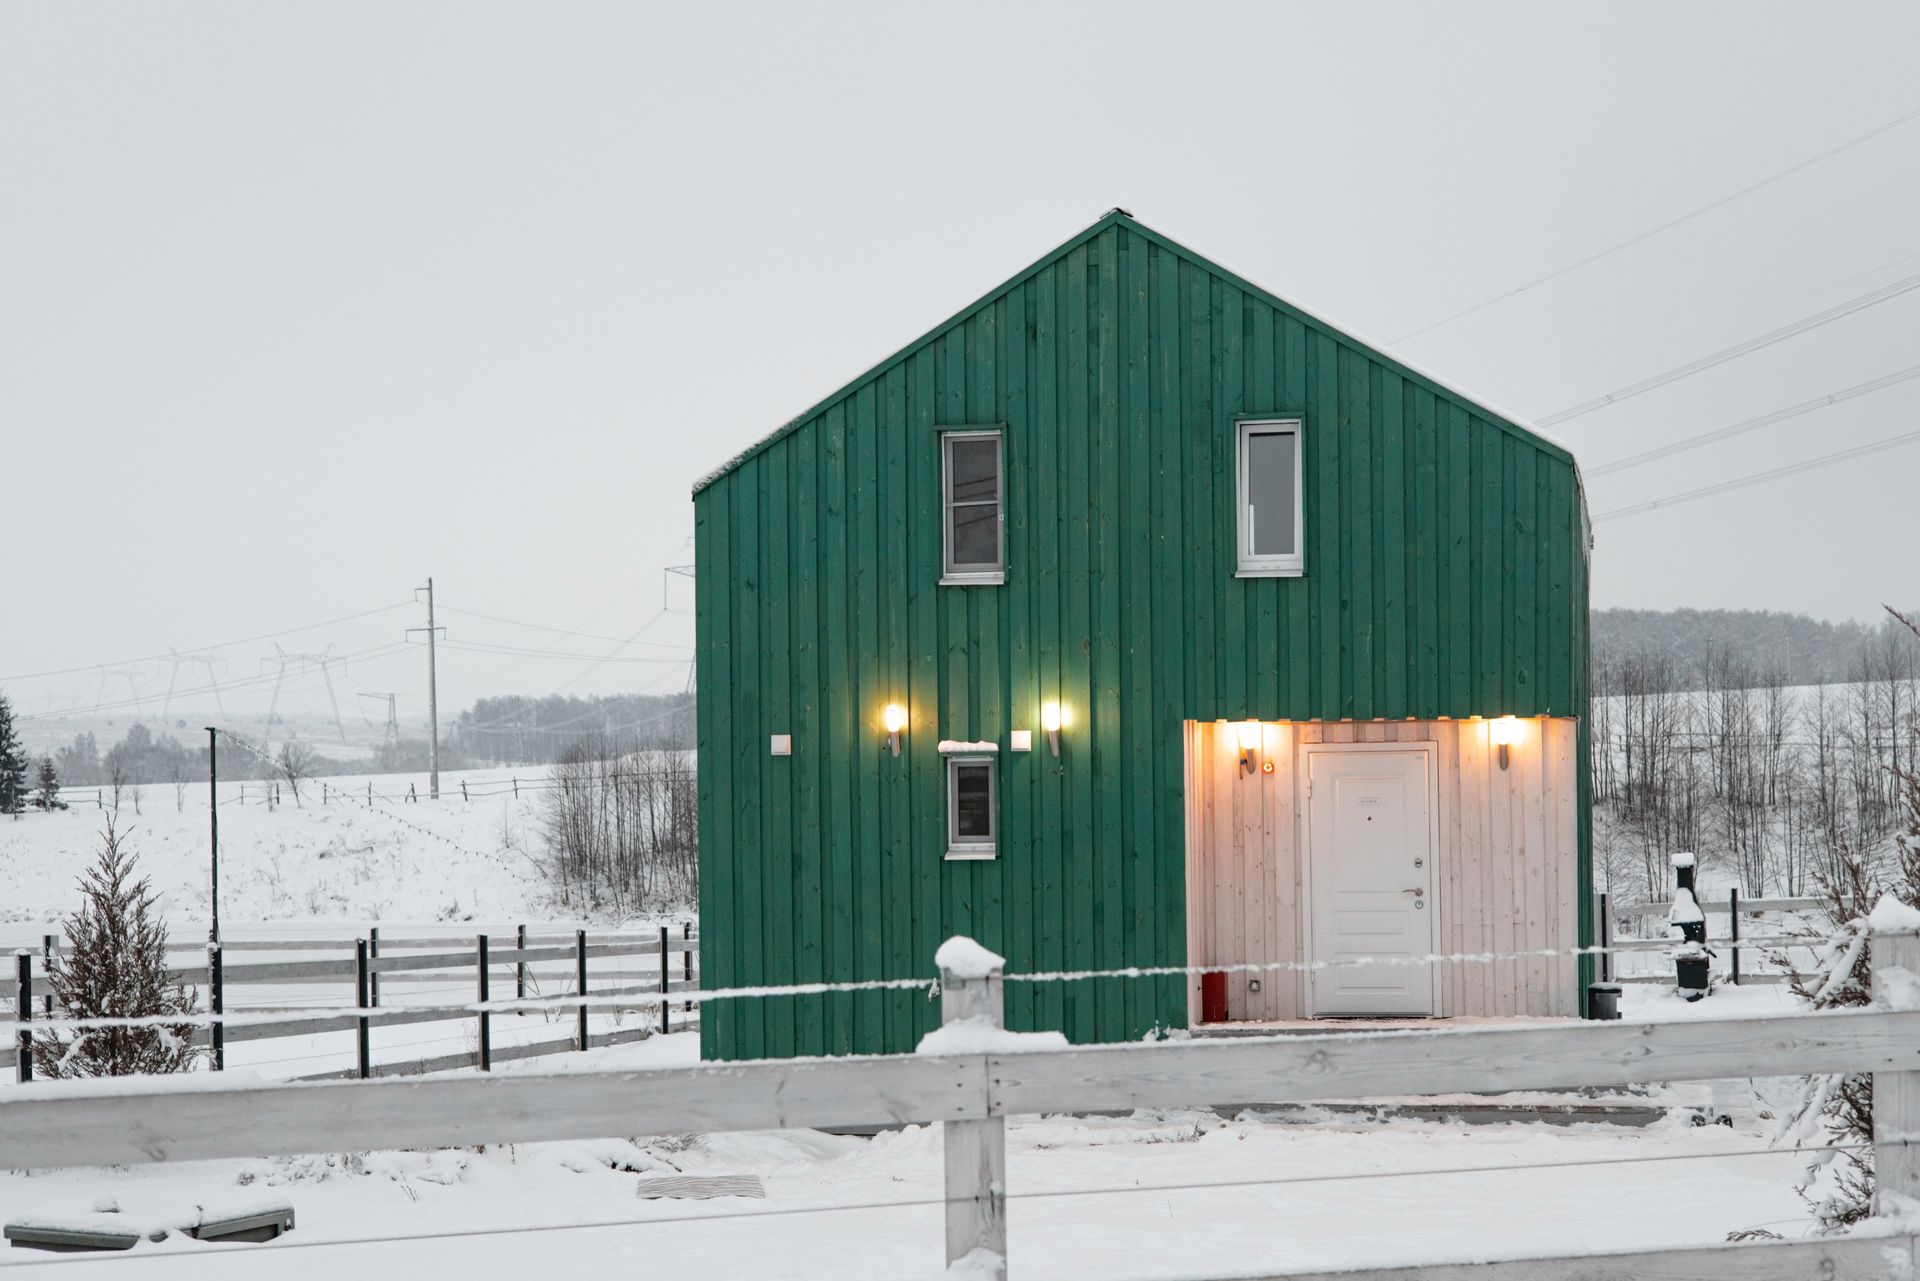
[(341, 865)]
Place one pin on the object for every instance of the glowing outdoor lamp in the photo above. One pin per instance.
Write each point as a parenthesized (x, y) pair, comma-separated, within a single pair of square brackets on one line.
[(1501, 732), (1050, 720), (895, 719), (1249, 732)]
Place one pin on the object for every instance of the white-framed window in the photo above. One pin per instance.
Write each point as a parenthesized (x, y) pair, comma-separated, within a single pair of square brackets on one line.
[(973, 815), (973, 490), (1269, 520)]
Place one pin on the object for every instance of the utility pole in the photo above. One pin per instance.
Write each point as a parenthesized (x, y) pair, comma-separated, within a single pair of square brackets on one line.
[(433, 700), (213, 816)]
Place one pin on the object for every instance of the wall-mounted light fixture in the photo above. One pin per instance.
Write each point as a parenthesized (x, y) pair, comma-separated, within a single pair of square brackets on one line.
[(1501, 732), (1051, 719), (1249, 732), (895, 720)]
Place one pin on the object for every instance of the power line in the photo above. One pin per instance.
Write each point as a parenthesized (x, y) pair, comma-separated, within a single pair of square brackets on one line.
[(248, 640), (558, 631), (1758, 478), (1885, 293), (487, 647), (365, 655), (1764, 420), (1667, 226)]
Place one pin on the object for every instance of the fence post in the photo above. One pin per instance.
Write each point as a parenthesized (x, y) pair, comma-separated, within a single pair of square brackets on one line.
[(686, 960), (666, 975), (49, 944), (1733, 931), (516, 789), (362, 994), (23, 1003), (580, 964), (373, 975), (520, 966), (463, 790), (1896, 1095), (1606, 942), (217, 1004), (486, 1019), (975, 1151)]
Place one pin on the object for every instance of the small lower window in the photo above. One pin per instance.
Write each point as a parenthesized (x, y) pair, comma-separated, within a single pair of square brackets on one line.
[(971, 811), (1269, 494)]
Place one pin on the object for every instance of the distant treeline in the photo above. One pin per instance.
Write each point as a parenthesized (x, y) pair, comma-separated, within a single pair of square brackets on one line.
[(1793, 648), (516, 730)]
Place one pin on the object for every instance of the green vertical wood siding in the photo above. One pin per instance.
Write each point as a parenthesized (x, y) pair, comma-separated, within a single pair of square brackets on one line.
[(1446, 576)]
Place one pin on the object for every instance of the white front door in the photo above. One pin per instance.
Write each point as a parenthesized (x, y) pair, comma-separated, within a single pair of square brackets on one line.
[(1370, 864)]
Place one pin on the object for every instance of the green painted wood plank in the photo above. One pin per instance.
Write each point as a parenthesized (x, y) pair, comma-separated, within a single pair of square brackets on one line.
[(919, 754), (1490, 615), (1019, 848), (899, 571), (1327, 563), (1357, 617), (1048, 592), (1227, 316), (1393, 662), (1424, 514), (1139, 841), (1461, 603), (1108, 587), (779, 871), (1170, 689), (749, 723), (715, 783), (1522, 650), (862, 561), (838, 889), (1077, 652)]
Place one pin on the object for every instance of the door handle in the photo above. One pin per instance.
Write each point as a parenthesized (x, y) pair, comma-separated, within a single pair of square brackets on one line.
[(1415, 893)]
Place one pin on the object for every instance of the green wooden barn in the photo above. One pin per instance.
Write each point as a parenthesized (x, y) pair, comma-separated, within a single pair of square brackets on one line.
[(1136, 616)]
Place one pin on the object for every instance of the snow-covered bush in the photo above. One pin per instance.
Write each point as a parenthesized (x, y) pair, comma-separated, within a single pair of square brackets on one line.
[(114, 965), (1838, 1108)]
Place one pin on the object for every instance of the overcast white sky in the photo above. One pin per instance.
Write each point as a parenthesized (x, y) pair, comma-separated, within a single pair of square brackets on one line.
[(302, 303)]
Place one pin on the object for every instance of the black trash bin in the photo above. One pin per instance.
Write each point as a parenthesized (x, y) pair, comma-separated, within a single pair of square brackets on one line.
[(1693, 975), (1603, 1000)]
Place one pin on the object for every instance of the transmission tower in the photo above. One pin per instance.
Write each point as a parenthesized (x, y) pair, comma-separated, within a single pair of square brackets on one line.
[(133, 687), (324, 660), (198, 659), (393, 716)]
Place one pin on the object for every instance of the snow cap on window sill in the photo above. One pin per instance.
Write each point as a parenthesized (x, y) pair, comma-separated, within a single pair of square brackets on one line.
[(949, 747)]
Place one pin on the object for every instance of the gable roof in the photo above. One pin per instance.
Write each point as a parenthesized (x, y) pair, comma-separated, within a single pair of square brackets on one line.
[(1120, 217)]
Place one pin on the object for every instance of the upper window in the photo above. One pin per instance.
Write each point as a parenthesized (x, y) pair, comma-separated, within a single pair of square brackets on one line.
[(1269, 518), (975, 537), (970, 807)]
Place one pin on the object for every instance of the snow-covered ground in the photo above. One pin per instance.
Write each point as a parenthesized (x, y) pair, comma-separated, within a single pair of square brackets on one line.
[(1106, 1198)]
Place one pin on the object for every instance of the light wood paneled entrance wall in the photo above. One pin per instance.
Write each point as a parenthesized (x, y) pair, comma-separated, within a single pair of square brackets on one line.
[(1505, 879)]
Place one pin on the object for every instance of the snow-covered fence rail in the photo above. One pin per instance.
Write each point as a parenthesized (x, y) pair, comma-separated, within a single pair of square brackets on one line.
[(429, 966), (971, 1075)]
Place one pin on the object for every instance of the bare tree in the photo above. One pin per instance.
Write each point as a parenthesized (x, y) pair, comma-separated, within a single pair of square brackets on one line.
[(295, 763)]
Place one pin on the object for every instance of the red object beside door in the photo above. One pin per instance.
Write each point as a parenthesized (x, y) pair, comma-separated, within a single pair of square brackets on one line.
[(1213, 998)]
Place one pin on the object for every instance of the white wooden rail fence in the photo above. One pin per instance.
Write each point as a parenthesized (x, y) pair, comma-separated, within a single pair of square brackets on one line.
[(57, 1124), (1734, 942), (555, 962)]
